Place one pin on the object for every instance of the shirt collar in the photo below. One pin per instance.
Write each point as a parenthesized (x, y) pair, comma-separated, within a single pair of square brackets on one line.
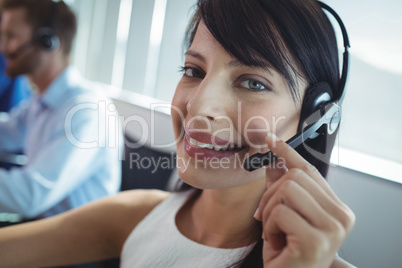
[(54, 94)]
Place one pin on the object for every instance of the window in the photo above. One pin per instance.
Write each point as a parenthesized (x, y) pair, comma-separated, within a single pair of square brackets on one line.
[(371, 122), (133, 44)]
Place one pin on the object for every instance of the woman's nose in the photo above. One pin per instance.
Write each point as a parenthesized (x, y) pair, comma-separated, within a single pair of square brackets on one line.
[(210, 100)]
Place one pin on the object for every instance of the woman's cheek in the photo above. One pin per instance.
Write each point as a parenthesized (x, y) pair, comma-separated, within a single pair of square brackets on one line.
[(254, 133), (255, 129)]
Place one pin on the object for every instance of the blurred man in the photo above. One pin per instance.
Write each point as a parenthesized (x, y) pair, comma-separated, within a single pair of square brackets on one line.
[(68, 130)]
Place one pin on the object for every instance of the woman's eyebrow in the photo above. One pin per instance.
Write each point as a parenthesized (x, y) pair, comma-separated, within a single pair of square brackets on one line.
[(239, 64), (195, 55), (232, 64)]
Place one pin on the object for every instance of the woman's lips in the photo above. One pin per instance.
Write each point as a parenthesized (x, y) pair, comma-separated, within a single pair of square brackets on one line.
[(205, 146), (208, 138)]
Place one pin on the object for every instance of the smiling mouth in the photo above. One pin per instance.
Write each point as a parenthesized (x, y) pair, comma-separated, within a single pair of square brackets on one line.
[(227, 147)]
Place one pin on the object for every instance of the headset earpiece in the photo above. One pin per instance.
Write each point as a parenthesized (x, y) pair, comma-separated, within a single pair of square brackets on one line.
[(316, 96), (47, 39)]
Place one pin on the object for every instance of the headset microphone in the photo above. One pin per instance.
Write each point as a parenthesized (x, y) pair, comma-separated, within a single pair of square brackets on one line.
[(20, 50), (317, 107)]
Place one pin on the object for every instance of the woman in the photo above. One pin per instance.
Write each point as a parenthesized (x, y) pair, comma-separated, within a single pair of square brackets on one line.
[(248, 66)]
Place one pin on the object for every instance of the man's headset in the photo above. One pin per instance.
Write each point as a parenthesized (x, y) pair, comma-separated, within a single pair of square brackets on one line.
[(317, 107), (44, 37)]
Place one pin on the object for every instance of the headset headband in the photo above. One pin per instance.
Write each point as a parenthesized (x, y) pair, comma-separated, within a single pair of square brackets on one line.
[(52, 18), (346, 45)]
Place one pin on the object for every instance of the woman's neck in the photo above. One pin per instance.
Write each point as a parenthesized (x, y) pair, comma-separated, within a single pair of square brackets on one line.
[(223, 218)]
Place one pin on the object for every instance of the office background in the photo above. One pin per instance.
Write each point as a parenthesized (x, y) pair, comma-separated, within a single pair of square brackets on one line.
[(137, 46)]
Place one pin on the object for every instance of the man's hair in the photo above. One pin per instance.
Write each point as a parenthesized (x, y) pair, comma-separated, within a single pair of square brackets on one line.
[(39, 14)]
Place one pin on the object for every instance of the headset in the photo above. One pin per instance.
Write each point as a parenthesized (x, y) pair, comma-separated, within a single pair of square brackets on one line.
[(317, 108), (44, 37)]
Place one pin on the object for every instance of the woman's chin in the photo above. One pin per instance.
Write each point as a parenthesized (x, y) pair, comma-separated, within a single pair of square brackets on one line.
[(207, 181)]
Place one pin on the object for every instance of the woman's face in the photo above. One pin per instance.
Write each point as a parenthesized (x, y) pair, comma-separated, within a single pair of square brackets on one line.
[(222, 111)]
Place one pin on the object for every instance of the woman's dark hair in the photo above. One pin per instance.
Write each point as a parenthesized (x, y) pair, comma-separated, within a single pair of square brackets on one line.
[(293, 37)]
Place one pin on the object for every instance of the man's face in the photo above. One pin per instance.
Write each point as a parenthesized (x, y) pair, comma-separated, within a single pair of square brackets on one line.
[(15, 43)]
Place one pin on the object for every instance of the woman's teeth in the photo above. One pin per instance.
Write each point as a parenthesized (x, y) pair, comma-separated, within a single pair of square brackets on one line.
[(214, 147)]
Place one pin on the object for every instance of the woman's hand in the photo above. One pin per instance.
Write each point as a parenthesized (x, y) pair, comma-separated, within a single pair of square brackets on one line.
[(304, 222)]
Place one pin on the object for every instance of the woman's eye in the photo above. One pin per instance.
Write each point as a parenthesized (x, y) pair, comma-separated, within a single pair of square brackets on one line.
[(252, 84), (192, 72)]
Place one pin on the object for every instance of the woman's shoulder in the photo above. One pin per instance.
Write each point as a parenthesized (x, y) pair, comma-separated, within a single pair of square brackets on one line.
[(138, 199), (126, 209), (341, 263), (134, 205)]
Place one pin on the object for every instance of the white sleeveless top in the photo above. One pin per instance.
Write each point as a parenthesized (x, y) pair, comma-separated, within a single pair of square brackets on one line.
[(157, 243)]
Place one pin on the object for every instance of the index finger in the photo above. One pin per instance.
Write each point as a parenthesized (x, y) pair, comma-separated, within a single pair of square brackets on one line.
[(294, 160), (282, 150)]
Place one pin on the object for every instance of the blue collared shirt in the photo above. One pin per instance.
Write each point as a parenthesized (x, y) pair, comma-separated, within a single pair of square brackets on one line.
[(73, 141), (12, 90)]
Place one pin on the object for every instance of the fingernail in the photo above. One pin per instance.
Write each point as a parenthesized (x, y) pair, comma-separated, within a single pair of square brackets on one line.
[(255, 214), (272, 136), (285, 169)]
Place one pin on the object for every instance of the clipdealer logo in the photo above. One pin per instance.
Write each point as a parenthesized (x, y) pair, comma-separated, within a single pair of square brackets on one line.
[(107, 131)]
